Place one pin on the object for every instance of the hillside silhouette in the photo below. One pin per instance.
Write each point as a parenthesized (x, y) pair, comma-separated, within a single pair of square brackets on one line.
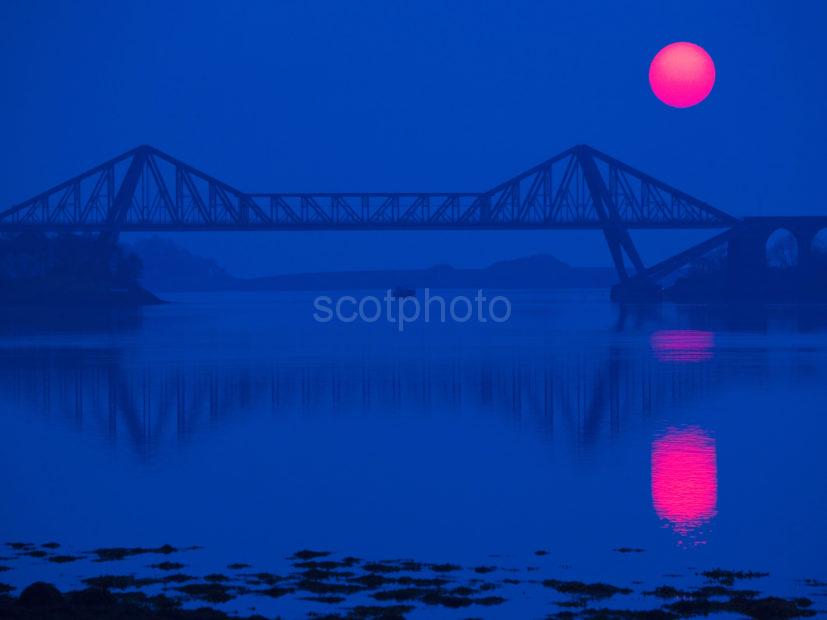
[(168, 267)]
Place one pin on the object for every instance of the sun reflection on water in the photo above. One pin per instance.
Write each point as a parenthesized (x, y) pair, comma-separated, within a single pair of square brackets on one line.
[(685, 481), (682, 345)]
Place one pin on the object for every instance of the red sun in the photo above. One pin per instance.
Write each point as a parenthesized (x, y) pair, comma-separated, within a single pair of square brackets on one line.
[(682, 74)]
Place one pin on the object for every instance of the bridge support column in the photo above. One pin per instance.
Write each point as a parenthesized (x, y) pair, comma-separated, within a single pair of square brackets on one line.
[(621, 246), (119, 207), (806, 256), (747, 260)]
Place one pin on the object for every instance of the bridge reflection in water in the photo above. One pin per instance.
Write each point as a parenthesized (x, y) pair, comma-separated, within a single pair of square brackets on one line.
[(586, 396)]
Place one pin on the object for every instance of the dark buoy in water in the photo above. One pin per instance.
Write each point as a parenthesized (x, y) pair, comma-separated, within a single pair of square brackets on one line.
[(401, 292)]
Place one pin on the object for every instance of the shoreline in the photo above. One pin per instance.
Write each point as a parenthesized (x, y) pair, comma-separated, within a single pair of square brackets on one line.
[(349, 587)]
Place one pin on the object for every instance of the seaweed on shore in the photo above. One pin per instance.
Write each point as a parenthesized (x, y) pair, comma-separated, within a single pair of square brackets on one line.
[(454, 598), (167, 566), (327, 598), (210, 592), (325, 587), (394, 566), (216, 578), (378, 612), (123, 582), (64, 559), (621, 614), (109, 554), (263, 578), (34, 553), (325, 565), (397, 586), (174, 578), (422, 582), (766, 608), (728, 577), (308, 554), (444, 568), (587, 590), (117, 582), (274, 591), (370, 581), (43, 601), (314, 574), (666, 592)]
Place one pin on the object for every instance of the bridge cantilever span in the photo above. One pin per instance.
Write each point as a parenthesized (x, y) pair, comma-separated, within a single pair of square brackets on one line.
[(581, 188), (145, 189)]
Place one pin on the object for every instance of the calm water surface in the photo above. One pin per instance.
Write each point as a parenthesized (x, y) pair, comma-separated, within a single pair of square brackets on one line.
[(236, 422)]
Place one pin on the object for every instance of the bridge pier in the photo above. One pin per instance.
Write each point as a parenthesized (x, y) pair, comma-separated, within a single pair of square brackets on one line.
[(747, 250), (748, 271), (746, 262)]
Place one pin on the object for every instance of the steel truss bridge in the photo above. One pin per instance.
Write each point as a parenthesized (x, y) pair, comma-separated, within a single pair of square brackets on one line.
[(145, 189)]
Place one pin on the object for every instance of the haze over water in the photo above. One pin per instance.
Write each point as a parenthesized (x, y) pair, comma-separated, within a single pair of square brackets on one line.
[(236, 422)]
